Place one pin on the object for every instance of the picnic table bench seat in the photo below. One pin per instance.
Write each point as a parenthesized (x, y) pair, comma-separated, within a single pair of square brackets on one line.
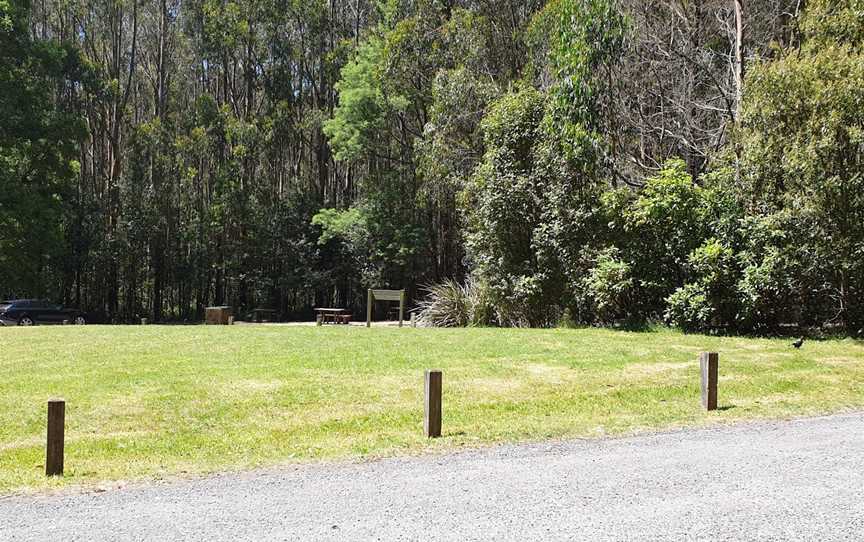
[(333, 315)]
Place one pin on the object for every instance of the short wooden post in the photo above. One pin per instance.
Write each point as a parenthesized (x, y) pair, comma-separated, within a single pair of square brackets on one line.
[(432, 410), (401, 307), (65, 322), (56, 430), (413, 319), (369, 299), (230, 320), (319, 319), (709, 367), (144, 321)]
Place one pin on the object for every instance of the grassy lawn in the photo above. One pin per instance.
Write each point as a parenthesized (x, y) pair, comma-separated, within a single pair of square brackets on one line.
[(151, 402)]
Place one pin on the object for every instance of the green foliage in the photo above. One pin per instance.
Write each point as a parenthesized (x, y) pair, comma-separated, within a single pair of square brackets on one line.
[(38, 152), (655, 232), (348, 225), (708, 301), (533, 203), (802, 132), (587, 40), (611, 286), (768, 286), (447, 154), (362, 104), (791, 252), (690, 309), (531, 213), (294, 153), (5, 16), (504, 205), (827, 23)]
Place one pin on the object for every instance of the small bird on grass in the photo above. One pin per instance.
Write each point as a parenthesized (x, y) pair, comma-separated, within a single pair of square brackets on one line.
[(799, 343)]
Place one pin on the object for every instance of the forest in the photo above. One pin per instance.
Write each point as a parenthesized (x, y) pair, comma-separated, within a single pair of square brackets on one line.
[(508, 162)]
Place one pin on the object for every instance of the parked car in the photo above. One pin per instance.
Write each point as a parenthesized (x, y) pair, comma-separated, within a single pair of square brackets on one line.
[(28, 312)]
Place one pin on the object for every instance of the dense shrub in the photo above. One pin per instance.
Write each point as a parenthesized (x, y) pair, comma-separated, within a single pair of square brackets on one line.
[(530, 212), (801, 144), (610, 285), (710, 300), (652, 234), (689, 308)]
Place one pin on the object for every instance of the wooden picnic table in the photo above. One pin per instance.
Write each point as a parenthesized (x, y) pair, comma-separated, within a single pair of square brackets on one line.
[(263, 315), (333, 315)]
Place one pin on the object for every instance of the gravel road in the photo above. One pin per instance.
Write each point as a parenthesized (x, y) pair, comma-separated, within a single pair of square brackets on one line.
[(795, 480)]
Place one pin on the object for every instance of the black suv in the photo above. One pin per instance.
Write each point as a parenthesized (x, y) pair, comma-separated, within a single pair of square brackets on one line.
[(28, 312)]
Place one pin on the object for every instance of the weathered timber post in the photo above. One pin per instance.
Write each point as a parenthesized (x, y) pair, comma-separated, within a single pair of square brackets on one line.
[(432, 406), (401, 307), (319, 319), (709, 368), (54, 444), (413, 319), (144, 321), (369, 299)]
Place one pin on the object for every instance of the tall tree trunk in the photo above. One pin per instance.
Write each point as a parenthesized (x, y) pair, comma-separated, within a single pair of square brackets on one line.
[(739, 56)]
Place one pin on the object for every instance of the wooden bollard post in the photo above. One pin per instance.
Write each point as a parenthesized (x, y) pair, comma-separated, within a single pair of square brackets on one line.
[(319, 320), (56, 434), (432, 410), (65, 322), (413, 320), (709, 365), (230, 320), (144, 321)]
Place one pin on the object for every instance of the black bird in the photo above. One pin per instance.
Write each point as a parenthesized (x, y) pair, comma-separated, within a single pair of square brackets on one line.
[(799, 343)]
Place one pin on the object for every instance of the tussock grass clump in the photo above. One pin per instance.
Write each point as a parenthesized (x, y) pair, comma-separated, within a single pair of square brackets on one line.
[(450, 304)]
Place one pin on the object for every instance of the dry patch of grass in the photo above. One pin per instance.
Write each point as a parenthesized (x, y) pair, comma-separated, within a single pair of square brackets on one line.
[(550, 374)]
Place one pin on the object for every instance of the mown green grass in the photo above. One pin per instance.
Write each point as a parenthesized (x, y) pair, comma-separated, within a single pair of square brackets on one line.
[(160, 401)]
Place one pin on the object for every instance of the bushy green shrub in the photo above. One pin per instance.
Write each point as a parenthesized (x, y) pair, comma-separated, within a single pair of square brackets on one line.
[(709, 300), (690, 309), (653, 233), (611, 287), (528, 212)]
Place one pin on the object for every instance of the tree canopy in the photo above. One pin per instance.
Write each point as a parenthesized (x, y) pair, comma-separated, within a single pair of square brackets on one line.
[(564, 161)]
